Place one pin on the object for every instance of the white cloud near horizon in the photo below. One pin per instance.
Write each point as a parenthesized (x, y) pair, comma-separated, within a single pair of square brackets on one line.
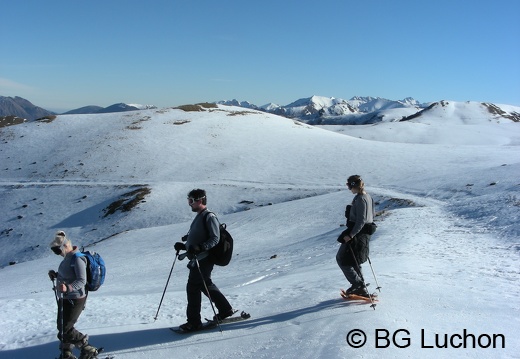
[(7, 86)]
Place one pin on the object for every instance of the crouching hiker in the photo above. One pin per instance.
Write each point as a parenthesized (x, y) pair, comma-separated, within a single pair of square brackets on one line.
[(71, 297)]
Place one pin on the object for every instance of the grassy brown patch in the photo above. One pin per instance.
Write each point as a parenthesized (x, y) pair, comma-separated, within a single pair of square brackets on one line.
[(198, 107), (46, 119), (128, 201), (10, 121), (242, 113)]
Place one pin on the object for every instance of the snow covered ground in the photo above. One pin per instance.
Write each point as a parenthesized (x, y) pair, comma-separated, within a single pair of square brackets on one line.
[(446, 252)]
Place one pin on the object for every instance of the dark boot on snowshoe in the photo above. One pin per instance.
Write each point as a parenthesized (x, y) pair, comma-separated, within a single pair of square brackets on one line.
[(220, 316), (359, 290), (190, 327), (66, 351), (352, 288), (67, 354), (88, 352)]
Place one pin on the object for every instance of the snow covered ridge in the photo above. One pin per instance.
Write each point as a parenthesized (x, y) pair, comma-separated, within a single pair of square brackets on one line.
[(142, 107), (468, 112), (318, 110)]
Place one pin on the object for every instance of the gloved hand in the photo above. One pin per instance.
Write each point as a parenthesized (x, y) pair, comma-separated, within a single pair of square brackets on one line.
[(53, 275), (343, 236), (184, 238), (179, 246), (196, 249)]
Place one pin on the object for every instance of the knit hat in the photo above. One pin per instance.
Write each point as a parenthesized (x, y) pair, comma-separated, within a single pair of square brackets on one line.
[(59, 239)]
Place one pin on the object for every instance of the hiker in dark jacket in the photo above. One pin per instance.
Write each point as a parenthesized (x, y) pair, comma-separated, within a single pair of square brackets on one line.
[(71, 297), (203, 235), (354, 240)]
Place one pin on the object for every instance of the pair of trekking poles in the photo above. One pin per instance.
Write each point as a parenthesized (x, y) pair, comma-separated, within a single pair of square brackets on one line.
[(203, 281), (361, 275)]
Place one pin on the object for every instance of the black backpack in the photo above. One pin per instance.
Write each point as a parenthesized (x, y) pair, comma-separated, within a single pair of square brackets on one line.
[(221, 254)]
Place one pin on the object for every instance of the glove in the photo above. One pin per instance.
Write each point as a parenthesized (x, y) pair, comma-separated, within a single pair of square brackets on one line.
[(179, 246), (184, 238), (196, 249), (53, 275), (341, 237)]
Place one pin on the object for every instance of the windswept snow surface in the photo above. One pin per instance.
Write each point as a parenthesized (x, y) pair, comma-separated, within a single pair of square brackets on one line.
[(445, 253)]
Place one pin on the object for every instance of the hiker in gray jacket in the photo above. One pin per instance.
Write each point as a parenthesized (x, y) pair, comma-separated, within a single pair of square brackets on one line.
[(203, 235), (354, 240), (71, 297)]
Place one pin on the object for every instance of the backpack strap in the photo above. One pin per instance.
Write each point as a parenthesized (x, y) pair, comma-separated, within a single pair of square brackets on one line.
[(207, 214), (205, 218), (78, 254)]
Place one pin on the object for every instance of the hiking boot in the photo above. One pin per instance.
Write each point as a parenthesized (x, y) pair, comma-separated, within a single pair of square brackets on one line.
[(360, 290), (221, 316), (88, 352), (67, 354), (190, 327), (352, 288)]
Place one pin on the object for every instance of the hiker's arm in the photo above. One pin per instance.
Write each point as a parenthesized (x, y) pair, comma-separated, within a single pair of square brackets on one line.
[(213, 232), (360, 206), (80, 269)]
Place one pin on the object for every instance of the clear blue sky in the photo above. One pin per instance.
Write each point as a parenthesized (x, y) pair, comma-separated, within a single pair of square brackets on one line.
[(62, 55)]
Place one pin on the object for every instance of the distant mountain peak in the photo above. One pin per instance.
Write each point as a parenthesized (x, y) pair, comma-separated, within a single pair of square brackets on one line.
[(21, 108), (117, 107), (234, 102)]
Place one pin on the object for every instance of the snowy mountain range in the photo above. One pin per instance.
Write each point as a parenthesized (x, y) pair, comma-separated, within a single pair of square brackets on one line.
[(447, 196), (315, 110), (318, 110)]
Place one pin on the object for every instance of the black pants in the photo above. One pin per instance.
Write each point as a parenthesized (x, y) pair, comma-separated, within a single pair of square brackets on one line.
[(348, 265), (195, 287), (72, 309)]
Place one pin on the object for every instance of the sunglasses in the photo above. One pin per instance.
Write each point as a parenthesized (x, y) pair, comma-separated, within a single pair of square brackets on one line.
[(351, 184), (57, 250), (192, 200)]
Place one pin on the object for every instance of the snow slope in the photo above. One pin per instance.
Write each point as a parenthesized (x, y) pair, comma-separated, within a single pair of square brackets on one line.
[(448, 219)]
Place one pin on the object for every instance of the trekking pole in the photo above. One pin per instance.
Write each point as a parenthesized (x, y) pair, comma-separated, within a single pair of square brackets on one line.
[(166, 286), (60, 316), (362, 278), (207, 291), (378, 286)]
